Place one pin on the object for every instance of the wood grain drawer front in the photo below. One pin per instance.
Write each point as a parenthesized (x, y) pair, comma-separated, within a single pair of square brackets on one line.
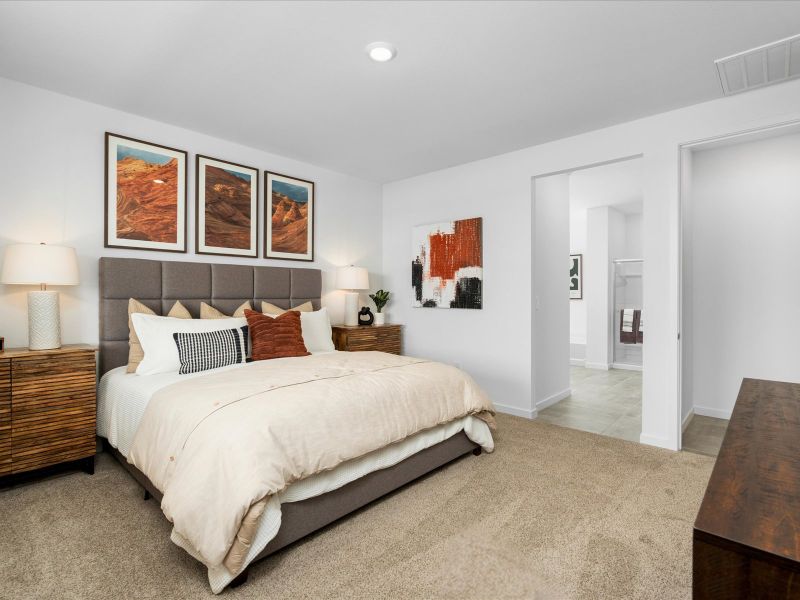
[(53, 409), (5, 417), (380, 339)]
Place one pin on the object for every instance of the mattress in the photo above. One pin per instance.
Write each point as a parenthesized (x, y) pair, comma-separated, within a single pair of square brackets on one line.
[(123, 397)]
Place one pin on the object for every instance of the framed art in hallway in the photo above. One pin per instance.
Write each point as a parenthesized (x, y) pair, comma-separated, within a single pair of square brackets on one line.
[(145, 195), (226, 208), (447, 265), (576, 276), (289, 217)]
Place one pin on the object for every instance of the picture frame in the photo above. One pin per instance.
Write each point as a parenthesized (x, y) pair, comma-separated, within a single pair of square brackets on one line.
[(145, 200), (576, 276), (226, 208), (288, 217), (447, 264)]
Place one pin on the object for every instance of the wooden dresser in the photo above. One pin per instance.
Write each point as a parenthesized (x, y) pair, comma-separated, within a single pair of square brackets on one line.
[(358, 338), (747, 533), (47, 408)]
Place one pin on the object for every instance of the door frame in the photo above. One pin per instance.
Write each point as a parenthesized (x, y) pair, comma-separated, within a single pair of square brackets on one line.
[(684, 196)]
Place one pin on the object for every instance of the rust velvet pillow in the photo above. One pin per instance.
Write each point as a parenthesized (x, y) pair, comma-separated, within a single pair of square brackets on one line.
[(275, 337)]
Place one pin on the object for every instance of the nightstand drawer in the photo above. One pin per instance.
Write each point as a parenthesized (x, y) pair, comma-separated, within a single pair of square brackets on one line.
[(50, 371), (380, 338), (5, 417)]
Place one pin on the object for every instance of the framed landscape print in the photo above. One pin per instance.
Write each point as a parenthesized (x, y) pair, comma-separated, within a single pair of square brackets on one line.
[(226, 208), (576, 276), (447, 264), (145, 196), (289, 217)]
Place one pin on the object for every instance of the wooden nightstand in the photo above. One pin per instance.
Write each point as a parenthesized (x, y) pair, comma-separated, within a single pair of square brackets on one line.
[(357, 338), (47, 408)]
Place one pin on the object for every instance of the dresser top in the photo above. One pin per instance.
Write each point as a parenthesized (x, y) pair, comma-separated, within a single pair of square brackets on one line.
[(753, 496), (65, 349)]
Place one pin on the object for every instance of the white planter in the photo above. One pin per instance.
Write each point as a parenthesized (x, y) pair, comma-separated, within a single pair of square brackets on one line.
[(380, 318)]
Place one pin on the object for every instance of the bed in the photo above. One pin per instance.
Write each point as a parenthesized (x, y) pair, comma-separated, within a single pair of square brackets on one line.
[(126, 401)]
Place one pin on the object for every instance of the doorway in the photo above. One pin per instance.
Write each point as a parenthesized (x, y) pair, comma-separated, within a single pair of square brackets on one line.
[(739, 203), (589, 336)]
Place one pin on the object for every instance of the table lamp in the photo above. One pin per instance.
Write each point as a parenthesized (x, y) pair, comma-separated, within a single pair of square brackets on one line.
[(351, 278), (40, 264)]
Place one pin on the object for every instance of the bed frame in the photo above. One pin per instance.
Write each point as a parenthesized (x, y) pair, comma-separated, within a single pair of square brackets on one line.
[(158, 284)]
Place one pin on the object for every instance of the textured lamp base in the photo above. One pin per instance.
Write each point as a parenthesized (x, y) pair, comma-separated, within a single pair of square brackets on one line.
[(44, 321), (351, 308)]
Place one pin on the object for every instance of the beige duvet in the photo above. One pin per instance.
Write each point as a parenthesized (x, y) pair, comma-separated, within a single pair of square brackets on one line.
[(219, 445)]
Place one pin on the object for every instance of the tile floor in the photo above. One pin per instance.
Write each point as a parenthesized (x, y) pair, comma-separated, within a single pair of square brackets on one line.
[(704, 435), (610, 403), (605, 402)]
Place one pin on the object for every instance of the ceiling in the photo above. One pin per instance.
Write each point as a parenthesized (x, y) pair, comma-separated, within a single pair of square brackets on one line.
[(471, 79), (617, 184)]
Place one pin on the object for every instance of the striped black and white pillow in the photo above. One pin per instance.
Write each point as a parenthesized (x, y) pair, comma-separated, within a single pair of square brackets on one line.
[(211, 349)]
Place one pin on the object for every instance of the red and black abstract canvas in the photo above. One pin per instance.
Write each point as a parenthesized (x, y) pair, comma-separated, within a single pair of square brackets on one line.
[(447, 265)]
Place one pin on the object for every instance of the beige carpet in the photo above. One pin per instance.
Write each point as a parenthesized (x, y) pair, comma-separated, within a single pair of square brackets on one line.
[(553, 513)]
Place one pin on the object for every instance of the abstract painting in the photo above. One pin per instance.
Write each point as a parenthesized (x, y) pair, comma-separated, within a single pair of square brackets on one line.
[(289, 227), (227, 208), (145, 197), (447, 265), (575, 276)]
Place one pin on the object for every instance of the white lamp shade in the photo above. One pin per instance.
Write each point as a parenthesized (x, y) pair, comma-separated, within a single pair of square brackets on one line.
[(34, 264), (352, 278)]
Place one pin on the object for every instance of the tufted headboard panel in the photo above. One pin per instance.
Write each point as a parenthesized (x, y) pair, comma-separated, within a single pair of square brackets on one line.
[(158, 284)]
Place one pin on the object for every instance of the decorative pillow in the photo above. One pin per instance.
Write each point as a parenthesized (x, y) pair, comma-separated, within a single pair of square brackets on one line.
[(210, 350), (135, 352), (275, 337), (155, 335), (271, 309), (209, 312), (317, 333)]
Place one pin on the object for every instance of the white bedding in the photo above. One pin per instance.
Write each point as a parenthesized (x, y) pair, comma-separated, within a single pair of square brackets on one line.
[(123, 397)]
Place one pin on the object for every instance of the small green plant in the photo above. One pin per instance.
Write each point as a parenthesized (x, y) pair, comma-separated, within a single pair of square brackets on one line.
[(380, 298)]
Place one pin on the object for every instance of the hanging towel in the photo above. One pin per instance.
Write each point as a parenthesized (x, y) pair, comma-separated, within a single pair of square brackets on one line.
[(627, 331), (638, 326)]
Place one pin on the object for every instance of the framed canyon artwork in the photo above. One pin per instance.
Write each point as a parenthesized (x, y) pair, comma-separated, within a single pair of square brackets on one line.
[(447, 265), (289, 226), (226, 208), (145, 195), (576, 276)]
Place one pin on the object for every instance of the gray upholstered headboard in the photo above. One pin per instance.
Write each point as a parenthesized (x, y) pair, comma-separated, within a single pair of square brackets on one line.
[(158, 284)]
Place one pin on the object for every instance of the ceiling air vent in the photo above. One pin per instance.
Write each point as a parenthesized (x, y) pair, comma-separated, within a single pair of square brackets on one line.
[(765, 65)]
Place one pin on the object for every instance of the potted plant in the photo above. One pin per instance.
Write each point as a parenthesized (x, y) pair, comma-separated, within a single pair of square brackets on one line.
[(380, 298)]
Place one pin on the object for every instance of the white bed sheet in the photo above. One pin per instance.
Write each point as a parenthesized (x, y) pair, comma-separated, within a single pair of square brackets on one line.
[(123, 397)]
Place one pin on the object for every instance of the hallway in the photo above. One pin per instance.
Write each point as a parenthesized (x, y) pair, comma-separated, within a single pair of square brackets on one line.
[(610, 403)]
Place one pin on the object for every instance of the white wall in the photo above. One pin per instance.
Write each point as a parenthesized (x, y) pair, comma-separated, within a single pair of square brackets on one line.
[(745, 286), (494, 344), (633, 236), (605, 241), (550, 283), (51, 168), (687, 289)]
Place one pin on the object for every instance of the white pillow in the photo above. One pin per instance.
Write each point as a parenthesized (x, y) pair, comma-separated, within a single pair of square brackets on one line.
[(317, 334), (155, 335)]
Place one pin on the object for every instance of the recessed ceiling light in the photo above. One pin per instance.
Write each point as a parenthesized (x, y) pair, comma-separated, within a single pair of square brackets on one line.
[(381, 51)]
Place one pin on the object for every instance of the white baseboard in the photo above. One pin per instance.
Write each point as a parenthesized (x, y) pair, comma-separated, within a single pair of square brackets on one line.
[(687, 419), (577, 362), (717, 413), (659, 442), (624, 367), (601, 366), (517, 412), (550, 400)]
